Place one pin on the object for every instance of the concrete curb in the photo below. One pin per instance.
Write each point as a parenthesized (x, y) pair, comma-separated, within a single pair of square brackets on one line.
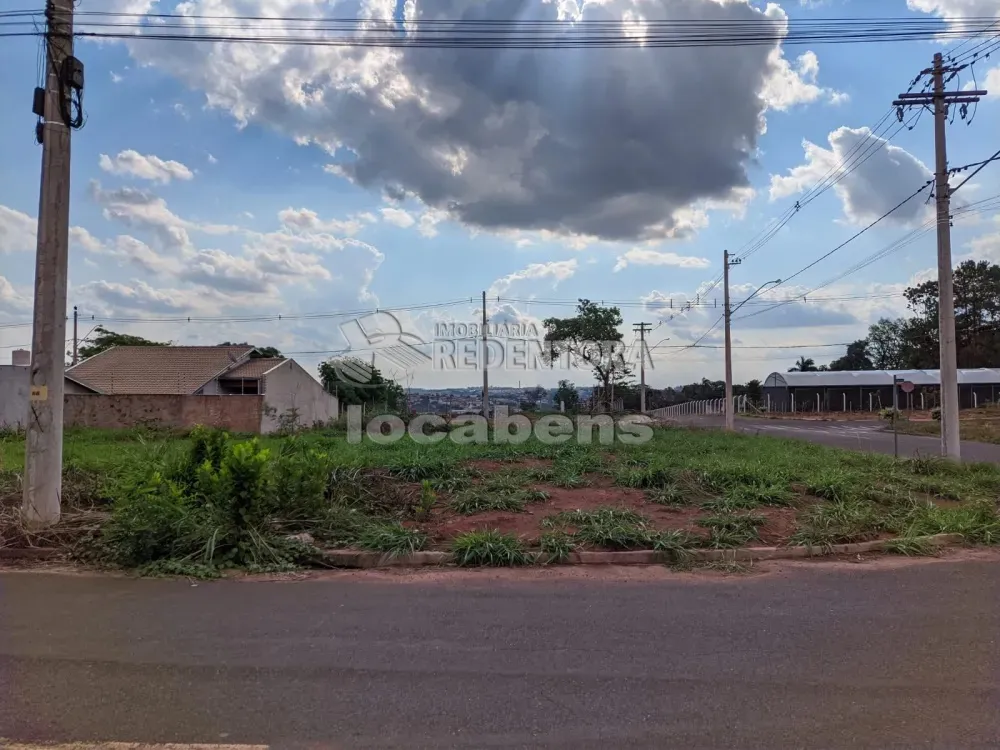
[(360, 559)]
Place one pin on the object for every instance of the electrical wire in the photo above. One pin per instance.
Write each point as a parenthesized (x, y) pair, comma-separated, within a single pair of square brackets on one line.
[(507, 33), (845, 243)]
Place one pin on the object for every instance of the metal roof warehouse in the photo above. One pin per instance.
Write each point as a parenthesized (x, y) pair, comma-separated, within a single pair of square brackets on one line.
[(870, 390)]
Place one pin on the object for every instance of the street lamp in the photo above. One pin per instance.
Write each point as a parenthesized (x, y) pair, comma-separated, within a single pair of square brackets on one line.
[(728, 313)]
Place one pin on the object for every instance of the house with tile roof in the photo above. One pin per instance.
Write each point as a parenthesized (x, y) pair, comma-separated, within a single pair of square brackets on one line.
[(286, 387)]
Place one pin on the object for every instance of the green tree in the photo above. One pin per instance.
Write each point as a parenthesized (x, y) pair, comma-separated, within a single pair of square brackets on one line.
[(885, 344), (567, 394), (754, 390), (101, 339), (856, 358), (260, 352), (376, 391), (804, 364), (591, 338)]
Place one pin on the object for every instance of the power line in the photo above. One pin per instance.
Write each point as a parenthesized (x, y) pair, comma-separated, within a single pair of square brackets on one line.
[(846, 242), (987, 204), (508, 33)]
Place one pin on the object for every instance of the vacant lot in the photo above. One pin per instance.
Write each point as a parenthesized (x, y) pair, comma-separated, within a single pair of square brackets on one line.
[(205, 501)]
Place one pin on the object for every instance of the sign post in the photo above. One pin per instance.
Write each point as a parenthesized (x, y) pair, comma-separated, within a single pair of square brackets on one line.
[(907, 387)]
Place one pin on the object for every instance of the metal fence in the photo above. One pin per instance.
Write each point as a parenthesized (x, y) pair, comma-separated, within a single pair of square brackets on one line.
[(707, 407)]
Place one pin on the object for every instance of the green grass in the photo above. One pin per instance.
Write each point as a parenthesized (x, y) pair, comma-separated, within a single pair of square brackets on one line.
[(337, 491), (610, 528), (393, 538), (667, 494), (489, 548), (482, 501), (731, 529), (556, 546)]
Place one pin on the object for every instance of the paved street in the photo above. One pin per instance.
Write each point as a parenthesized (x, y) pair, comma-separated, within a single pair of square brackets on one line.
[(853, 435), (874, 655)]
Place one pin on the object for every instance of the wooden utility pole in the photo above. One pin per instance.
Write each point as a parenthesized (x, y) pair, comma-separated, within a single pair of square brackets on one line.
[(486, 375), (43, 446), (940, 100), (727, 313), (641, 329)]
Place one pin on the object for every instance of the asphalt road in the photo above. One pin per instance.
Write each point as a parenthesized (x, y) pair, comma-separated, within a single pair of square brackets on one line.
[(866, 656), (852, 435)]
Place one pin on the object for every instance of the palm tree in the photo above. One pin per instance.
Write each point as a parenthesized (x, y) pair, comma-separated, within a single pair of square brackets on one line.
[(804, 364)]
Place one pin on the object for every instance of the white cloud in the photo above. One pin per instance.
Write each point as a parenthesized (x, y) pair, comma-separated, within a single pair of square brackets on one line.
[(397, 216), (786, 86), (882, 179), (303, 219), (558, 270), (17, 231), (181, 110), (640, 256), (115, 78), (992, 82), (139, 209), (504, 139), (133, 164), (956, 8), (12, 300), (141, 297), (212, 159)]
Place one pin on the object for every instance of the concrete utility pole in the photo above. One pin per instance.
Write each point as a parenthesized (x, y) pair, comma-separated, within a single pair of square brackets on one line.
[(940, 100), (43, 446), (641, 329), (486, 375), (727, 313), (76, 316)]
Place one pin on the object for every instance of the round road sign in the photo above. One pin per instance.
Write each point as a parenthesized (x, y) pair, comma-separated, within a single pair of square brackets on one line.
[(907, 386)]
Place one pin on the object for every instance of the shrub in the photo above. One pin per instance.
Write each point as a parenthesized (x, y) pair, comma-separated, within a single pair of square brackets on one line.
[(889, 414), (488, 548), (936, 413)]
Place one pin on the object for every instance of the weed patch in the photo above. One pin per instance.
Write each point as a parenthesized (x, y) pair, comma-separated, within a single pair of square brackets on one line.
[(392, 538), (489, 548)]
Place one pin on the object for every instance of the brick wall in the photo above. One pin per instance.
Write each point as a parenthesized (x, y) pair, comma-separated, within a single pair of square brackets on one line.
[(234, 413)]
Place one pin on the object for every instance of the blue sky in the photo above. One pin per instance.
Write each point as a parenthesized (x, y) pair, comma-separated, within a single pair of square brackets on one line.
[(216, 182)]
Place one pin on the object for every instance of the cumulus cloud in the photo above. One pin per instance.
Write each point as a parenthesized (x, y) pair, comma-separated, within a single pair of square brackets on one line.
[(397, 216), (306, 220), (17, 231), (557, 270), (597, 143), (133, 164), (956, 8), (12, 300), (140, 209), (788, 85), (141, 297), (885, 178), (639, 256)]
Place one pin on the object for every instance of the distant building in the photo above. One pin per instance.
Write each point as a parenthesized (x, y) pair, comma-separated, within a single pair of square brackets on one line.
[(871, 390), (125, 373)]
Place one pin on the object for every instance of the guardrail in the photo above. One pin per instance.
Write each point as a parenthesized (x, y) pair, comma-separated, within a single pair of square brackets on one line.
[(705, 407)]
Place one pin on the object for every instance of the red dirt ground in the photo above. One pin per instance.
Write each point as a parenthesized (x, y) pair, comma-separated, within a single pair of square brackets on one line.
[(445, 524)]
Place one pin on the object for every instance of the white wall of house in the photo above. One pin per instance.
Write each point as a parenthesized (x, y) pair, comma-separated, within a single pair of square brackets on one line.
[(288, 386), (14, 383), (211, 388)]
